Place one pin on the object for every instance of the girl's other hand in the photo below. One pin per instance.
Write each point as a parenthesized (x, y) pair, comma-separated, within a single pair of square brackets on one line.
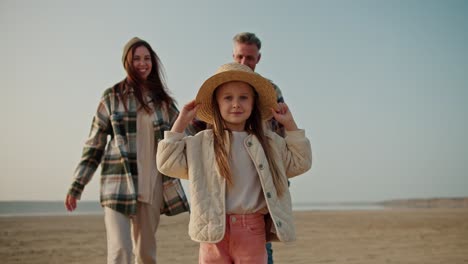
[(186, 115), (189, 110), (284, 117)]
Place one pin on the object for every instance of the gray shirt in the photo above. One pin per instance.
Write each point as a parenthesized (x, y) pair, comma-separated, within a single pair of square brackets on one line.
[(246, 195)]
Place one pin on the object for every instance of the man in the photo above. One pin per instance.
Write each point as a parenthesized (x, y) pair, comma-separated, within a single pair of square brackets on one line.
[(246, 51)]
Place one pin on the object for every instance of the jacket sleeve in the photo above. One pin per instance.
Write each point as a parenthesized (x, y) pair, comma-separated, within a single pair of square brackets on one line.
[(92, 151), (296, 153), (274, 125), (171, 157)]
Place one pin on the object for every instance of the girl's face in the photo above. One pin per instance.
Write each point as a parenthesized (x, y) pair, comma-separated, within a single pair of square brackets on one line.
[(142, 62), (235, 101)]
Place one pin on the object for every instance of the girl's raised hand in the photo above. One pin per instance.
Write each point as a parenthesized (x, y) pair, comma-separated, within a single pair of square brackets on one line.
[(189, 110), (186, 115), (284, 117)]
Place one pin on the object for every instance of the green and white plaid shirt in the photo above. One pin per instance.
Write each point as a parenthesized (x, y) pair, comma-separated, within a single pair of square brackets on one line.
[(118, 157)]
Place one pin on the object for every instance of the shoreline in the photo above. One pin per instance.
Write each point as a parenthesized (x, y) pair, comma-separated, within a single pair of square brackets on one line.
[(56, 208), (430, 236)]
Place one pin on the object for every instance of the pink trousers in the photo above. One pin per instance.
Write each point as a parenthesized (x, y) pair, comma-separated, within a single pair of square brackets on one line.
[(243, 242)]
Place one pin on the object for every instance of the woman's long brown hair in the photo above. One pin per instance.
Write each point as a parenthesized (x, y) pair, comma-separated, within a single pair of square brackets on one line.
[(155, 82), (222, 141)]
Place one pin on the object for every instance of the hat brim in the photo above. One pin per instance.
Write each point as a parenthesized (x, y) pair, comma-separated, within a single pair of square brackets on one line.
[(267, 97)]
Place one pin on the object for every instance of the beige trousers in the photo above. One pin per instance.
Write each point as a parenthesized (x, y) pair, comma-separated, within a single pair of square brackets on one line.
[(137, 233)]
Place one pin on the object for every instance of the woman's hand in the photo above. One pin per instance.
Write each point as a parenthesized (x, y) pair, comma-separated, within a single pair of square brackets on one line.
[(284, 117), (186, 115), (70, 203)]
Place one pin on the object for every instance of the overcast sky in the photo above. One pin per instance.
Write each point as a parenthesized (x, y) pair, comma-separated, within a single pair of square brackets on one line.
[(379, 86)]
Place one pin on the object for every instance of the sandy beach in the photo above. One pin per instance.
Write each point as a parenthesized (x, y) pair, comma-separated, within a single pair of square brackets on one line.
[(420, 236)]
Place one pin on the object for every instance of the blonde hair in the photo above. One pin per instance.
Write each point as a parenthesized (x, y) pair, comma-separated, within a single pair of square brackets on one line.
[(222, 140)]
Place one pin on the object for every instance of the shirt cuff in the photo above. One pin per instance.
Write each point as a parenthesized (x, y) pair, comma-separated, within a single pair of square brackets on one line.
[(173, 136), (295, 133)]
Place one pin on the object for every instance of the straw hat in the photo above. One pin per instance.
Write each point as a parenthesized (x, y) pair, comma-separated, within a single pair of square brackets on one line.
[(236, 72)]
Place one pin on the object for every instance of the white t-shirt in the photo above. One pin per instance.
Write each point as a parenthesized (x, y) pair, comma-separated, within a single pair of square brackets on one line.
[(246, 195), (149, 178)]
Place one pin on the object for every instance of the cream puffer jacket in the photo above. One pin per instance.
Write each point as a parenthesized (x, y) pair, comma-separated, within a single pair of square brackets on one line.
[(193, 158)]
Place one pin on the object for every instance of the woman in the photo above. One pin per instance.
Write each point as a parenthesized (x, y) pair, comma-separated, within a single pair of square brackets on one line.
[(134, 113)]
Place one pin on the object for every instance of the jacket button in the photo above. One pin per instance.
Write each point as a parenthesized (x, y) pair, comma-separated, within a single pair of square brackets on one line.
[(249, 144), (278, 224), (268, 195), (260, 166)]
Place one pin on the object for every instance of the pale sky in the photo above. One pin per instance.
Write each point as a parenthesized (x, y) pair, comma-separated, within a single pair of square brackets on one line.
[(380, 87)]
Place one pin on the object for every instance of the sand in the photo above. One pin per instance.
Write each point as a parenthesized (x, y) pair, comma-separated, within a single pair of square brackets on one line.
[(420, 236)]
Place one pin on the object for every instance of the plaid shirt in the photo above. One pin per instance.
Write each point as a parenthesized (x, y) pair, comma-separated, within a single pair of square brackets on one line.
[(118, 158), (198, 125)]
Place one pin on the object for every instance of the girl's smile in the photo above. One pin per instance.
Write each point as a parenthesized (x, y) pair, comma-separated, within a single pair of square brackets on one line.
[(235, 100)]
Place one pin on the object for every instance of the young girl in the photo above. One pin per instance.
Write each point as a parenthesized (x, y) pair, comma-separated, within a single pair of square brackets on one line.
[(237, 170)]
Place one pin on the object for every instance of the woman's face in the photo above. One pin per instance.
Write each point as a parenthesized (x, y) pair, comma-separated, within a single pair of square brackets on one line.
[(142, 62)]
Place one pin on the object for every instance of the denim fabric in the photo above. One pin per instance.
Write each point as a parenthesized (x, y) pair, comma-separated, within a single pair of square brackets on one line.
[(269, 250)]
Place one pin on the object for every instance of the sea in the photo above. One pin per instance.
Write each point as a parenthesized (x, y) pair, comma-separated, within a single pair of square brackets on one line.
[(42, 208), (56, 208)]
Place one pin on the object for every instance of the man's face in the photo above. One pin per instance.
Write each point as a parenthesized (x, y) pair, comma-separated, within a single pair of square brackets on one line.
[(247, 54)]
